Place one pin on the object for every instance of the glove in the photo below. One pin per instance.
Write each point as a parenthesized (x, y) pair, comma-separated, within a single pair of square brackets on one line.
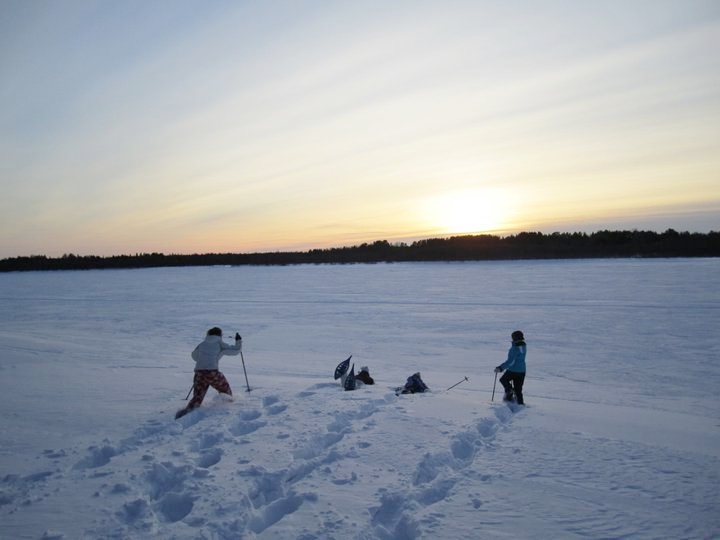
[(237, 337), (498, 369)]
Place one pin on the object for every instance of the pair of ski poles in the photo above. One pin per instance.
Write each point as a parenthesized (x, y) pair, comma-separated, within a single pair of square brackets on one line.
[(247, 383)]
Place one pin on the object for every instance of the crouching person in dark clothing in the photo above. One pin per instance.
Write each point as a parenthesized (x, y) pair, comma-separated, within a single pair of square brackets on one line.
[(414, 385), (514, 367), (364, 376)]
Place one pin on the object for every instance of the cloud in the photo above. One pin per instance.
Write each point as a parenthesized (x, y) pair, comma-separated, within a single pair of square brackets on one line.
[(160, 124)]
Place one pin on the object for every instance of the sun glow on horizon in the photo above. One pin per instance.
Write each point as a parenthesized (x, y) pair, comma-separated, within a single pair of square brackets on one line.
[(470, 211)]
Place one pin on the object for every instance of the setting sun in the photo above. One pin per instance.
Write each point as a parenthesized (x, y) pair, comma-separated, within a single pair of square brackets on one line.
[(470, 211)]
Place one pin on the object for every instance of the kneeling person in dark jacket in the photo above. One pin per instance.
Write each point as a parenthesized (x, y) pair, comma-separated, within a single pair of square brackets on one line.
[(414, 385), (364, 376)]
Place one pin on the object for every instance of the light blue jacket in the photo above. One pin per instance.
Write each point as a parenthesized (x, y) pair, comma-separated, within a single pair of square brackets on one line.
[(516, 358), (207, 354)]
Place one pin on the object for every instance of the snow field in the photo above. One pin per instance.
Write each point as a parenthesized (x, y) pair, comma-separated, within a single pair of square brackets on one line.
[(619, 438)]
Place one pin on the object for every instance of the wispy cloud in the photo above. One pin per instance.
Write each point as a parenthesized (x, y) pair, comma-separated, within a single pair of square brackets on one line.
[(161, 126)]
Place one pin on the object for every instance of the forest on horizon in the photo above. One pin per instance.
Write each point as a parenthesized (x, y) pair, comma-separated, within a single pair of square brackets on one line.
[(525, 245)]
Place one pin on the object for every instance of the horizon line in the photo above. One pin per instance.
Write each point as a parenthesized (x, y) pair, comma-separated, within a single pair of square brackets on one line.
[(394, 244)]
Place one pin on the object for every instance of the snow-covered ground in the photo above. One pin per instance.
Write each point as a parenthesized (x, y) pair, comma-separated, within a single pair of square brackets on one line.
[(620, 438)]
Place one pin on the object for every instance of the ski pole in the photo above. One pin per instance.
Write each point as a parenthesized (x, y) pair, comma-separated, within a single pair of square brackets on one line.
[(493, 394), (191, 389), (454, 385), (244, 371)]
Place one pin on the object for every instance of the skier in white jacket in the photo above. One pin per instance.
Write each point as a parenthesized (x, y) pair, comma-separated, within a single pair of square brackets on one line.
[(207, 358)]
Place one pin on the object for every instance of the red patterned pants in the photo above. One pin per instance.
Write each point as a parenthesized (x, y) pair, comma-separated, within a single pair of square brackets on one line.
[(203, 380)]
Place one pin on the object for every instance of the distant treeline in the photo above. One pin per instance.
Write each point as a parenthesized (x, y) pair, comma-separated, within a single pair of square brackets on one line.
[(526, 245)]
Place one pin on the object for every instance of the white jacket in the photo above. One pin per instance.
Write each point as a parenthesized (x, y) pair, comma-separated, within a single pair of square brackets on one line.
[(207, 354)]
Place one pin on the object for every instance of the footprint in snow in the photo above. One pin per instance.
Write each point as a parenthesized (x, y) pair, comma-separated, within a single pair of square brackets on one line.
[(99, 456), (276, 409), (209, 458), (208, 439), (272, 405), (277, 510), (244, 427), (175, 506), (249, 415), (54, 454)]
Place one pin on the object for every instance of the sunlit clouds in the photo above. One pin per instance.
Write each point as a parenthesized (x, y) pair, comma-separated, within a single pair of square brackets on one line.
[(231, 126)]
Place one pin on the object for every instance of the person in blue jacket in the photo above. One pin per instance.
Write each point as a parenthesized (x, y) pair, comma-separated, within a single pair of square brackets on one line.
[(514, 367)]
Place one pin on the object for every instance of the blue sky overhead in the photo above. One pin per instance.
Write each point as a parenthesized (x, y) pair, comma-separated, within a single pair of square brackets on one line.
[(188, 126)]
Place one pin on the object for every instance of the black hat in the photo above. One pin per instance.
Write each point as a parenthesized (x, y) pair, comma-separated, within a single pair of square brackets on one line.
[(214, 331), (517, 335)]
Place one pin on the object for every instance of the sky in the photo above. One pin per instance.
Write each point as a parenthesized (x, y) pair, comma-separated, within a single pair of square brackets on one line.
[(242, 126)]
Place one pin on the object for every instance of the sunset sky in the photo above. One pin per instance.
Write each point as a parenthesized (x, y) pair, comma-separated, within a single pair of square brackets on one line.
[(236, 126)]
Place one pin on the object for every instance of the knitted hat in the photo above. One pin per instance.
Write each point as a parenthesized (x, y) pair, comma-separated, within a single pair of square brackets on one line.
[(517, 335)]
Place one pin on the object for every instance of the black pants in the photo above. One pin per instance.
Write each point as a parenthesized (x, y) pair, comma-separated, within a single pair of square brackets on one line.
[(512, 382)]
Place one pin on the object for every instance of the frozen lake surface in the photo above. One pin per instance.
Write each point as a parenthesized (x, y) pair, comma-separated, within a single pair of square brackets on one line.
[(621, 436)]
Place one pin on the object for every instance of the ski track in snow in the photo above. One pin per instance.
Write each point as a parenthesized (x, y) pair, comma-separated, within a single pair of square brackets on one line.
[(246, 469), (163, 479)]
